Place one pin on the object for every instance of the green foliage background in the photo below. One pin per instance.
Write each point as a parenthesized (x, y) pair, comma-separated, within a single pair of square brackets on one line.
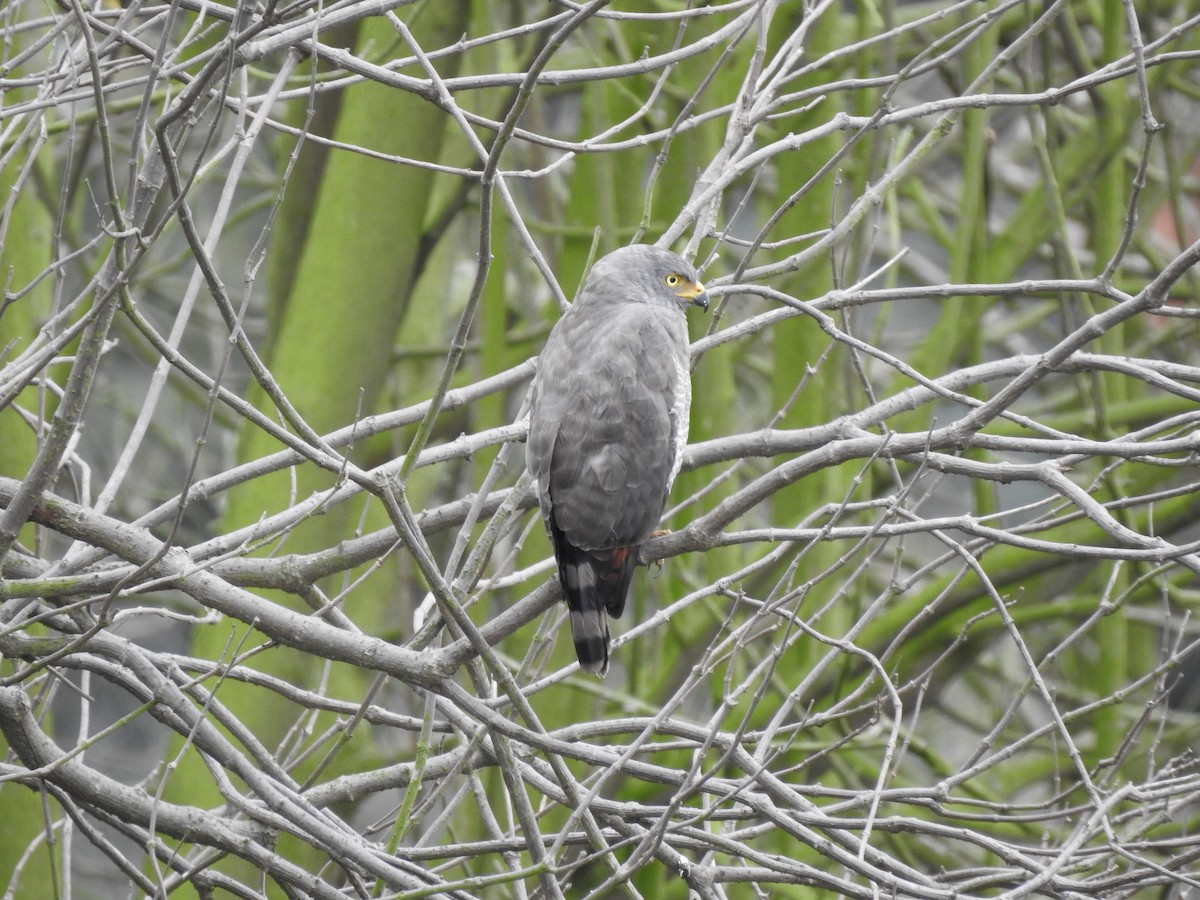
[(929, 662)]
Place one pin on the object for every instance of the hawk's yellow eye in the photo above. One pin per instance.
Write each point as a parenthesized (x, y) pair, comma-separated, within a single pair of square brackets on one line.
[(673, 280)]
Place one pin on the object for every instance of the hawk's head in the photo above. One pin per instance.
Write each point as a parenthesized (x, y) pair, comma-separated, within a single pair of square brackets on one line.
[(644, 274)]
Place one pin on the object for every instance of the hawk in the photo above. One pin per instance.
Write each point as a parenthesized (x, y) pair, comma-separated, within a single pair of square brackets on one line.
[(607, 428)]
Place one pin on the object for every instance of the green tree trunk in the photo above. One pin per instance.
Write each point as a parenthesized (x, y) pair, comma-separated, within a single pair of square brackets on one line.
[(332, 338), (26, 238)]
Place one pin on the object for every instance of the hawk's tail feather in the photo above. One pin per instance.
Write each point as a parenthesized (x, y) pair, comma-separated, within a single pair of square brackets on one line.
[(589, 630), (595, 584)]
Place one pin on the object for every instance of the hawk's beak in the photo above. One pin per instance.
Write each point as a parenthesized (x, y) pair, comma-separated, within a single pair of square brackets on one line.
[(695, 294)]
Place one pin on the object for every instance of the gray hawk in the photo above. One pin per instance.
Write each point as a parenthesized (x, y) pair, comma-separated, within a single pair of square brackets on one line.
[(607, 428)]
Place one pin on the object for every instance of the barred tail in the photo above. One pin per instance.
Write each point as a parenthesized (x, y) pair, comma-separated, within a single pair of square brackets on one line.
[(595, 584), (589, 629)]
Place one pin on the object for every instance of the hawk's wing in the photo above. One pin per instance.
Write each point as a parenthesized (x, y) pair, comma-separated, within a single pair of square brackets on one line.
[(609, 421)]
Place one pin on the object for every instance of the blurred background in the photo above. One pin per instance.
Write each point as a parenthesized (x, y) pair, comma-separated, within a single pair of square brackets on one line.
[(275, 278)]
